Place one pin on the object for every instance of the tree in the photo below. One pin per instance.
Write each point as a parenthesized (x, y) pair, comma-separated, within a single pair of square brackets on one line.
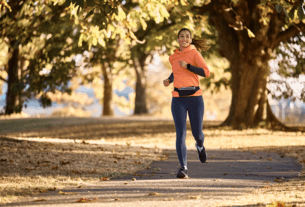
[(248, 33), (127, 17), (157, 34), (36, 65), (109, 63)]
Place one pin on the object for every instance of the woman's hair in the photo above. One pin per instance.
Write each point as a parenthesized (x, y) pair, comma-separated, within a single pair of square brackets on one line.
[(200, 44)]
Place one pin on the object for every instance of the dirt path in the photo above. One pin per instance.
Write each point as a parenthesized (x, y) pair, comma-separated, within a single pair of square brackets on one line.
[(249, 167)]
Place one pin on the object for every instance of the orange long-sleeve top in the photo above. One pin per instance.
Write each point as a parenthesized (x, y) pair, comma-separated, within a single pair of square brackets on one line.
[(182, 76)]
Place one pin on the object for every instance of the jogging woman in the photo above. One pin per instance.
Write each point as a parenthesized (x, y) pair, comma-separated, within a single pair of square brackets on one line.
[(187, 64)]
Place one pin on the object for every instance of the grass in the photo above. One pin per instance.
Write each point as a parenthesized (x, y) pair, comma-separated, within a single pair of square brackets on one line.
[(55, 153)]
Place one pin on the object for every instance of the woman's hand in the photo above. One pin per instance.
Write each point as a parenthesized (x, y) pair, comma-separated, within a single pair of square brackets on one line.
[(166, 82), (182, 64)]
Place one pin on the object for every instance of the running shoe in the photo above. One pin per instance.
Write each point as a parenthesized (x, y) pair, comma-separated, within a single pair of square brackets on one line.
[(182, 173), (202, 154)]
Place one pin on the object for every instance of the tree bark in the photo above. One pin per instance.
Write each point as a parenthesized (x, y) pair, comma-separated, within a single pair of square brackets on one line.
[(13, 104), (140, 99), (107, 101)]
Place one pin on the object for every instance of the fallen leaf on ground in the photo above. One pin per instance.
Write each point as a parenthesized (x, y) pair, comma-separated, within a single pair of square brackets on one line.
[(64, 163), (104, 178), (29, 169), (65, 193), (52, 189), (212, 157), (36, 200), (86, 200), (194, 197), (169, 199), (153, 194), (276, 204), (83, 142), (277, 180)]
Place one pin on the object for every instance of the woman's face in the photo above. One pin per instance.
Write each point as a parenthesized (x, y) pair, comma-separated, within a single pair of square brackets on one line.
[(184, 39)]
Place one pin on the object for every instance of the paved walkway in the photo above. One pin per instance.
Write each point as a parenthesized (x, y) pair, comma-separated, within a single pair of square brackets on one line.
[(226, 175)]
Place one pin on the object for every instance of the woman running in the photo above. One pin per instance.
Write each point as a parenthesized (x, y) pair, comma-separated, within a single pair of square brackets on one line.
[(187, 63)]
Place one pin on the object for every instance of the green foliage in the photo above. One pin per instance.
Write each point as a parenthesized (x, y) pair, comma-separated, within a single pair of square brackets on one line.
[(290, 64), (44, 35), (289, 55), (294, 9), (99, 18)]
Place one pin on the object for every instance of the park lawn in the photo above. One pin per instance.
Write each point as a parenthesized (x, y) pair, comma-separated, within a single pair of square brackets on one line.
[(45, 157)]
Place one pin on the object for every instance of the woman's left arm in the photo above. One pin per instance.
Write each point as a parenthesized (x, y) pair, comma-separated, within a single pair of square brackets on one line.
[(202, 70)]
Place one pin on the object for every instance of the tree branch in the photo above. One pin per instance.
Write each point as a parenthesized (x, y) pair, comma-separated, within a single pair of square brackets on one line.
[(290, 32), (1, 78), (292, 3), (203, 9)]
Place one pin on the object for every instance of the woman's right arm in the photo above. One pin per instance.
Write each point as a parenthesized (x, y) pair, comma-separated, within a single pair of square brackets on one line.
[(169, 80)]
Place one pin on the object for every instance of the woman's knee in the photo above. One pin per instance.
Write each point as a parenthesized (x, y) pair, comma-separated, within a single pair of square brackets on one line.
[(198, 135)]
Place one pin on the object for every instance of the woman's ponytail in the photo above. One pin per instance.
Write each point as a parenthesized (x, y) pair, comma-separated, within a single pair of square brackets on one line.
[(200, 44)]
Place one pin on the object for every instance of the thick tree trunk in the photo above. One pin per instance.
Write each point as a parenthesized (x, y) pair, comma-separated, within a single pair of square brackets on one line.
[(13, 104), (248, 106), (248, 59), (140, 99), (107, 101)]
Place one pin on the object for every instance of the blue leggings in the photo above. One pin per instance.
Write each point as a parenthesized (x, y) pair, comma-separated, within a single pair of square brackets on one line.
[(194, 105)]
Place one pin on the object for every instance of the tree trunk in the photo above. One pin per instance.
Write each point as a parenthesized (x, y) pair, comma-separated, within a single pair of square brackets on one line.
[(13, 104), (107, 101), (248, 59), (249, 97), (140, 99)]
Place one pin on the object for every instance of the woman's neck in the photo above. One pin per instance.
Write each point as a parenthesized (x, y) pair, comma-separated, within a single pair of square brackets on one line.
[(182, 48)]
